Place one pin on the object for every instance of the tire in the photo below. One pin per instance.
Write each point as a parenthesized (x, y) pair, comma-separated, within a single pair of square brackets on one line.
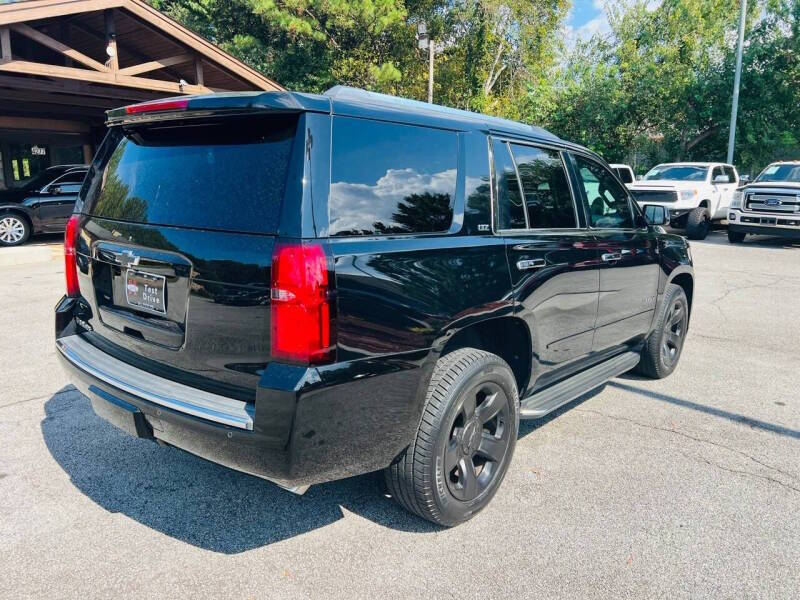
[(459, 457), (698, 223), (736, 237), (14, 229), (663, 347)]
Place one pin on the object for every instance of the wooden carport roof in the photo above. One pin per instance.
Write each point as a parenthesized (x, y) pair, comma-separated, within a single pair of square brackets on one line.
[(110, 50)]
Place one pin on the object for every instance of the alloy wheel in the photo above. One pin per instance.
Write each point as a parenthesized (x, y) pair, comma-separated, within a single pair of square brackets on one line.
[(674, 332), (478, 442), (12, 230)]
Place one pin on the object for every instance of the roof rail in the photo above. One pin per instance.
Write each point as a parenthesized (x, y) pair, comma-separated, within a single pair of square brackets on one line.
[(351, 94)]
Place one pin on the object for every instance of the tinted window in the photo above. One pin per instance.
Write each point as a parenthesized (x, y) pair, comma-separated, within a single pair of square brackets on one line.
[(608, 204), (510, 212), (477, 209), (71, 177), (730, 173), (716, 172), (391, 179), (624, 175), (544, 182), (226, 174)]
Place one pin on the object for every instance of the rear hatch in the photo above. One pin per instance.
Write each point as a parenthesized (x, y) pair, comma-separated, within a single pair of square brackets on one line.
[(181, 220)]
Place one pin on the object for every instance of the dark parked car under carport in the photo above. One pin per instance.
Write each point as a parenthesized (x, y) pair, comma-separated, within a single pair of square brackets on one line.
[(43, 205)]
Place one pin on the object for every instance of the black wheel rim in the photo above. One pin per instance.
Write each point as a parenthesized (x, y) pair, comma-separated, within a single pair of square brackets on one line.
[(478, 441), (674, 332)]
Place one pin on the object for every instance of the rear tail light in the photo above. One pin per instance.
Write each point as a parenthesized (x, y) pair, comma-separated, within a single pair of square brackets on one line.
[(70, 260), (302, 327), (158, 105)]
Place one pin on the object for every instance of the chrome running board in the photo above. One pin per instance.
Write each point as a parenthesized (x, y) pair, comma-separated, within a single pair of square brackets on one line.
[(549, 399)]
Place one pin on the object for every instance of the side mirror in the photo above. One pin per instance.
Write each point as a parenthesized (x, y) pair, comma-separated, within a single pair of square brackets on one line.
[(744, 179), (722, 179), (655, 214), (54, 191)]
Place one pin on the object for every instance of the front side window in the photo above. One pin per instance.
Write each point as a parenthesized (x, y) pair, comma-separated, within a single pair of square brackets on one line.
[(608, 204), (730, 173), (71, 177), (544, 182), (388, 178), (625, 175)]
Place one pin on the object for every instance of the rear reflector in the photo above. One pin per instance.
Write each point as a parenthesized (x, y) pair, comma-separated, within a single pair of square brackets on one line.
[(159, 105), (301, 307), (70, 260)]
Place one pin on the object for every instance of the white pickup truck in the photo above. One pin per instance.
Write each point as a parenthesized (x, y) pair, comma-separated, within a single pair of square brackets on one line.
[(694, 193)]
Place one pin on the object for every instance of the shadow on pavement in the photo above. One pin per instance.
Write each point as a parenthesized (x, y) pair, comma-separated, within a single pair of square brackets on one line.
[(196, 501), (710, 410), (202, 503)]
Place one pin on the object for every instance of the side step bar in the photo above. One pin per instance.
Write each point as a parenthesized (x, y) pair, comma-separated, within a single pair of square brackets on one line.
[(555, 396)]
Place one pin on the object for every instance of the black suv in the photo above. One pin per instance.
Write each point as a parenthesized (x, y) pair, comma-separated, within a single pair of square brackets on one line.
[(42, 205), (310, 287)]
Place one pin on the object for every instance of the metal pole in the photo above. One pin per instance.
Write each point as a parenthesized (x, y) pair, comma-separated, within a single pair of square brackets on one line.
[(736, 79), (430, 70)]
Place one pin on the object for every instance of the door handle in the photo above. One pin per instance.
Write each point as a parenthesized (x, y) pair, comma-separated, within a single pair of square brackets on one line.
[(611, 256), (527, 265)]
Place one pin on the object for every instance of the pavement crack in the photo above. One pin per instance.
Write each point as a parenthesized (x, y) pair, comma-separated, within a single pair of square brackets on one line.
[(699, 440), (66, 390), (740, 472)]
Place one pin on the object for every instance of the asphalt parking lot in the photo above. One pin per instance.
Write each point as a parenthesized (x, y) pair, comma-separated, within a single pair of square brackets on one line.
[(685, 487)]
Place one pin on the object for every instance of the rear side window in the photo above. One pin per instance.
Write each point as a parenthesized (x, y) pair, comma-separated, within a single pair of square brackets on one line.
[(510, 209), (388, 178), (544, 182), (226, 174)]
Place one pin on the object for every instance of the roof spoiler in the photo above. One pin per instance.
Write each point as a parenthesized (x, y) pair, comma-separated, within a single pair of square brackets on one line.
[(206, 105)]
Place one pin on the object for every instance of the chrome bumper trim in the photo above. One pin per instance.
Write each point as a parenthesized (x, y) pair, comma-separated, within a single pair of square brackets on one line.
[(153, 388)]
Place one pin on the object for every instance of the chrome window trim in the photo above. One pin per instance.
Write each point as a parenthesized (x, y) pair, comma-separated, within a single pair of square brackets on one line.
[(158, 390)]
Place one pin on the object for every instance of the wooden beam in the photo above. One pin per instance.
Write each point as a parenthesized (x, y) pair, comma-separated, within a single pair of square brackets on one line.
[(199, 76), (154, 65), (47, 124), (75, 87), (157, 85), (47, 41), (5, 44), (24, 97), (111, 40), (120, 47), (18, 12)]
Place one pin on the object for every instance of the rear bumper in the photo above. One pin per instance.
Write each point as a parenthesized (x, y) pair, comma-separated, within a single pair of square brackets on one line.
[(307, 425)]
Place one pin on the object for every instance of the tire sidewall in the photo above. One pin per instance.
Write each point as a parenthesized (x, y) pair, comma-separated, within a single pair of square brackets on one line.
[(680, 296), (27, 229), (698, 224), (451, 509)]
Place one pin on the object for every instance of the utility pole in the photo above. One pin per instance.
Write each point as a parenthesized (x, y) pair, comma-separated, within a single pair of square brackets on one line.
[(425, 41), (736, 79), (431, 51)]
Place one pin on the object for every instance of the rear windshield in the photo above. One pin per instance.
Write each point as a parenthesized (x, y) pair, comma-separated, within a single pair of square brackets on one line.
[(228, 174)]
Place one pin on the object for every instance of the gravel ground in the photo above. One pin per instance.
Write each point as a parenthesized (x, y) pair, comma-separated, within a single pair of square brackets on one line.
[(686, 487)]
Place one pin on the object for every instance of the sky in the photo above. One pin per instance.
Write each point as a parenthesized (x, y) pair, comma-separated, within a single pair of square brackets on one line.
[(586, 17)]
